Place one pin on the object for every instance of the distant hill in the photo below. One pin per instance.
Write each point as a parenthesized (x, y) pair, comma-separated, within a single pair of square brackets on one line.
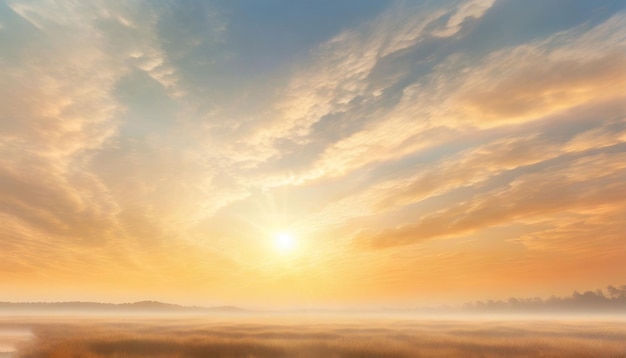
[(142, 306)]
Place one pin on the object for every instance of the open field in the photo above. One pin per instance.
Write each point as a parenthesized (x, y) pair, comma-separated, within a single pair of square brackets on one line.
[(270, 336)]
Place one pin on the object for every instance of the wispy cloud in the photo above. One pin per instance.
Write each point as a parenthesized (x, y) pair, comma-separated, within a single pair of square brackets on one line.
[(581, 184)]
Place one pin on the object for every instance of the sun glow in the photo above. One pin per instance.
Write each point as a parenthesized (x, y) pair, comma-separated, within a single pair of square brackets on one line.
[(284, 242)]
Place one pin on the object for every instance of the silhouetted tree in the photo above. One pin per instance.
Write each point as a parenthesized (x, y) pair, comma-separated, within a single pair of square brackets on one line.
[(588, 301)]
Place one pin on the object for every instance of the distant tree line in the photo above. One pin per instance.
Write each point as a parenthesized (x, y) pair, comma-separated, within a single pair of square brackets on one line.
[(614, 300)]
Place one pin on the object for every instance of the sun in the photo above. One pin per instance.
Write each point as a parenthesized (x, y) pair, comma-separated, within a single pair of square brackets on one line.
[(284, 242)]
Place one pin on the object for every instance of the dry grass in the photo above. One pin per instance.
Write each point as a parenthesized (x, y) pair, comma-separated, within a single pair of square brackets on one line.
[(307, 337)]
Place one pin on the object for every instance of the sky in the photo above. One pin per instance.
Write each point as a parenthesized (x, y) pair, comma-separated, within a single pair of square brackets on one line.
[(311, 153)]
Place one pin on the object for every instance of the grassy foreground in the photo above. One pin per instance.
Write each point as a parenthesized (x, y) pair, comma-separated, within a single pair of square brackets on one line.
[(309, 337)]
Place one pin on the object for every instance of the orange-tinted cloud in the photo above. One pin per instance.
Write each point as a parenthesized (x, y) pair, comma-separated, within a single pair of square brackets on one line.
[(579, 185), (541, 88)]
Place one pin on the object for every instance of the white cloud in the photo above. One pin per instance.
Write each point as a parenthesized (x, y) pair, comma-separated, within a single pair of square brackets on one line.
[(469, 9)]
